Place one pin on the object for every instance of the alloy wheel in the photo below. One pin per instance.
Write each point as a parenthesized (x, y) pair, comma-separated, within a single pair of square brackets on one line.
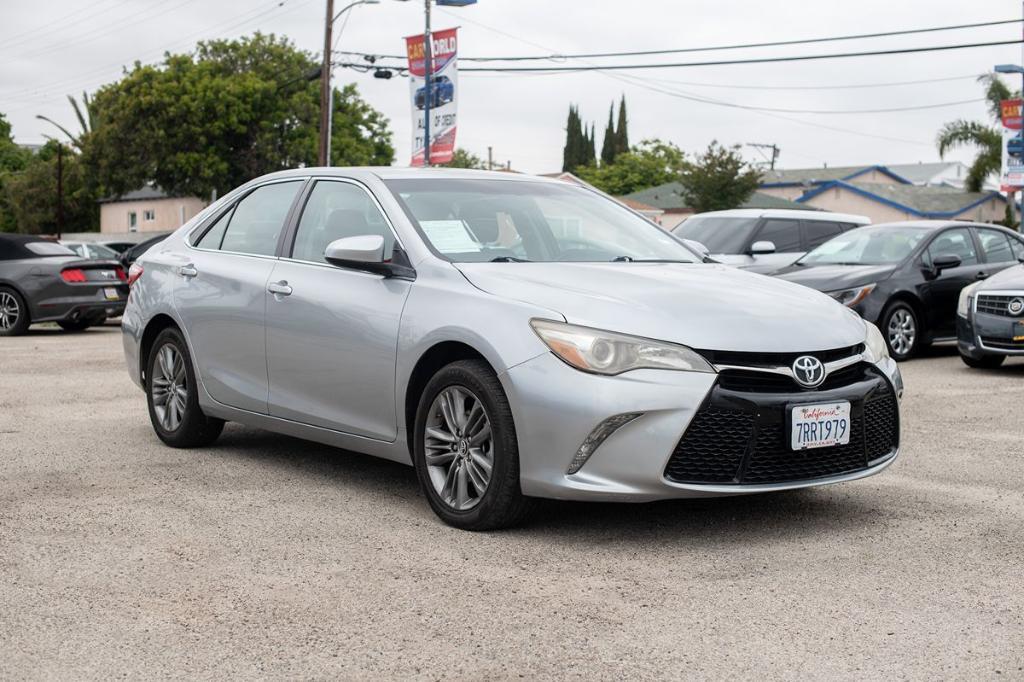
[(9, 310), (902, 331), (459, 447), (170, 387)]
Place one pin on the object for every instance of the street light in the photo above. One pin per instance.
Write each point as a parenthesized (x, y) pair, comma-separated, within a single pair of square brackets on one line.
[(326, 92)]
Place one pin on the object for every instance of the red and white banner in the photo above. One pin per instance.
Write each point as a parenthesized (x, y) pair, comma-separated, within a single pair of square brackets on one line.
[(1012, 176), (441, 98)]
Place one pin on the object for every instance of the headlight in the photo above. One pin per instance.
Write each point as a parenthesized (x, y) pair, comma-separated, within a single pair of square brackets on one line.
[(963, 304), (601, 352), (851, 297), (874, 343)]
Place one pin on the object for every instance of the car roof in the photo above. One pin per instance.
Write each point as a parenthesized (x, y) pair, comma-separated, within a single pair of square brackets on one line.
[(934, 224), (406, 173), (793, 213)]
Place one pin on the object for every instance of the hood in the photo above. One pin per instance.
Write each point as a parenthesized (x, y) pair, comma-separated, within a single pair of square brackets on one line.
[(835, 277), (1011, 279), (709, 307)]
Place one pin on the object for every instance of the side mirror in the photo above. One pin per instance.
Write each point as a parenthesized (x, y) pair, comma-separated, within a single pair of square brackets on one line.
[(945, 262), (366, 253), (762, 247), (698, 247)]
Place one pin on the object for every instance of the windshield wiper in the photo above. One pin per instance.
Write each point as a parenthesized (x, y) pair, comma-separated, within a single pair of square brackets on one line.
[(509, 259), (630, 259)]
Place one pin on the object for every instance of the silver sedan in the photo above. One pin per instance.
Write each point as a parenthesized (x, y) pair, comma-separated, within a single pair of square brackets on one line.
[(510, 337)]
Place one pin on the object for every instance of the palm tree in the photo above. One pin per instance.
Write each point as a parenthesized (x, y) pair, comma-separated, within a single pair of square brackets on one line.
[(987, 138), (84, 114)]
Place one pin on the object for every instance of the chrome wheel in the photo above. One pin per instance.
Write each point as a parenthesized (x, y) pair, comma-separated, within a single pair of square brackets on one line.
[(9, 310), (902, 331), (459, 447), (169, 386)]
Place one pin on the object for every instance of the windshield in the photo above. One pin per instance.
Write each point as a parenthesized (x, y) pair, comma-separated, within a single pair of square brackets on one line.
[(48, 249), (720, 234), (101, 251), (473, 221), (867, 246)]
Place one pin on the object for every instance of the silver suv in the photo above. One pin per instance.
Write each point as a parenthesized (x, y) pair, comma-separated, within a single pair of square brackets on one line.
[(511, 337)]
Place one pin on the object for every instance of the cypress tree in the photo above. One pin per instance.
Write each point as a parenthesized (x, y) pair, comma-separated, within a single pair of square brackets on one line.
[(608, 149), (621, 136), (571, 151)]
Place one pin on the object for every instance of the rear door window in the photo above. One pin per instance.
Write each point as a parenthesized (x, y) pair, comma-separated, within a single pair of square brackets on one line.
[(784, 233), (258, 219), (1017, 246), (817, 232), (995, 246)]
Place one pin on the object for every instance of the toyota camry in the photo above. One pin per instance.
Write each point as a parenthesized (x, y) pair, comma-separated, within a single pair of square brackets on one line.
[(510, 337)]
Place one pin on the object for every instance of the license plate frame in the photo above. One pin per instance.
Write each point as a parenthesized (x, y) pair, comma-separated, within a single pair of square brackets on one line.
[(803, 420), (111, 294), (1018, 331)]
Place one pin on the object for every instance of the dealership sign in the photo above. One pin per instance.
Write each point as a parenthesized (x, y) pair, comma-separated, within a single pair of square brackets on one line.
[(1012, 175), (440, 99)]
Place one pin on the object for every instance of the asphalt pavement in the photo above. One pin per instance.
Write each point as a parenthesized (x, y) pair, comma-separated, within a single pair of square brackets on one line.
[(266, 556)]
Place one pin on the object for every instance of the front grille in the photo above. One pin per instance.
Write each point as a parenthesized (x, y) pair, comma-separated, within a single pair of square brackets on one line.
[(752, 381), (742, 437), (996, 304), (744, 359), (1002, 343)]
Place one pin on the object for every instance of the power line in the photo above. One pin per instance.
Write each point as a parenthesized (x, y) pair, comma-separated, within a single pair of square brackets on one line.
[(849, 86), (715, 48)]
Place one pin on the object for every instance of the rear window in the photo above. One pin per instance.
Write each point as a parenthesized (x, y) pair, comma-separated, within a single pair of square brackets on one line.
[(42, 248)]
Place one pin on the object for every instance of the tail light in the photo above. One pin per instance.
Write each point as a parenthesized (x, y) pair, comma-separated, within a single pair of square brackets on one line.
[(134, 272), (120, 274), (73, 275)]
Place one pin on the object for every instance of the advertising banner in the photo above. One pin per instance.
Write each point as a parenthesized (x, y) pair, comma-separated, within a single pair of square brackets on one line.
[(442, 97), (1012, 175)]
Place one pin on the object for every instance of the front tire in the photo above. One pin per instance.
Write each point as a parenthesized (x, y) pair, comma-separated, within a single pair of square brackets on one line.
[(14, 315), (173, 395), (984, 362), (902, 330), (465, 450)]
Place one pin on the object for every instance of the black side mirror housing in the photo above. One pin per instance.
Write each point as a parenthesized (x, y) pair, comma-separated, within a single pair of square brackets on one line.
[(943, 262)]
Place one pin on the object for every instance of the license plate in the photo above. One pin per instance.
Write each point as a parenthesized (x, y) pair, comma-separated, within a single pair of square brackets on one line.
[(821, 425), (1018, 331), (111, 294)]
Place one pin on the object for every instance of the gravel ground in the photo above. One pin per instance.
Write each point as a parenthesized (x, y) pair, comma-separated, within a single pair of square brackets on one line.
[(266, 556)]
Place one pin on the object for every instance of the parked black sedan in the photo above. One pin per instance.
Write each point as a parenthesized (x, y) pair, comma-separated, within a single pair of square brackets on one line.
[(42, 281), (990, 319), (906, 277)]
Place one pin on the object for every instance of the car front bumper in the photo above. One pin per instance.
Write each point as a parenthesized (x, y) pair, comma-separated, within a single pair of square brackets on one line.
[(982, 334), (556, 407)]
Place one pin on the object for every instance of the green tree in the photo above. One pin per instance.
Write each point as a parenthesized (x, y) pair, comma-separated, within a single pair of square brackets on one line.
[(466, 159), (609, 146), (986, 138), (83, 112), (718, 179), (579, 148), (31, 194), (13, 160), (650, 163), (621, 136), (229, 112)]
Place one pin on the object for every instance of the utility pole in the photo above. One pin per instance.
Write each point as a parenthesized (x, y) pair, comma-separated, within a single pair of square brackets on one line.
[(490, 158), (428, 67), (759, 146), (325, 90), (60, 190)]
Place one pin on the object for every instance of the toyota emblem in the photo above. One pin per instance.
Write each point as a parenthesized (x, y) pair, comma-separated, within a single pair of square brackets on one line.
[(808, 371), (1016, 306)]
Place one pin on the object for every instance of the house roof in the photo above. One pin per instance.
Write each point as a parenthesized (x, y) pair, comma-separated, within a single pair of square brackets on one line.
[(920, 173), (788, 177), (669, 197), (639, 205), (146, 193), (923, 201)]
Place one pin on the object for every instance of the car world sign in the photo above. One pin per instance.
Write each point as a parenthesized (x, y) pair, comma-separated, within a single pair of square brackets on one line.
[(440, 98), (1012, 176)]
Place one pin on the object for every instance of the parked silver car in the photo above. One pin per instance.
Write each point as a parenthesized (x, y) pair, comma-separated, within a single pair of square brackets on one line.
[(764, 240), (512, 337)]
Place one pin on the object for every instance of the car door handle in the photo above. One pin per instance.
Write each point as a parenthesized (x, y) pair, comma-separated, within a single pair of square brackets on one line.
[(188, 271), (981, 275), (279, 288)]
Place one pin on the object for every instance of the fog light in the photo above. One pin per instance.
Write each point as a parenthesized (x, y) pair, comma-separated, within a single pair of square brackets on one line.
[(599, 435)]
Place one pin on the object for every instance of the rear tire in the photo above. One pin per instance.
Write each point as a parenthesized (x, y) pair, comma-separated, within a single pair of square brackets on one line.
[(984, 362), (74, 325), (902, 330), (14, 315), (466, 397), (173, 396)]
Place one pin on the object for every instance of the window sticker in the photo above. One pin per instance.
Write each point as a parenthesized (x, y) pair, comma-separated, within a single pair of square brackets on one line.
[(449, 236)]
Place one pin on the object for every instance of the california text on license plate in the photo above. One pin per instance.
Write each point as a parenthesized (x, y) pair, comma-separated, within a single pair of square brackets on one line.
[(820, 425), (111, 293)]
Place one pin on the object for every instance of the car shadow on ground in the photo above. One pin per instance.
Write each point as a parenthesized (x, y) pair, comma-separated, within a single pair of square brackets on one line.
[(799, 513)]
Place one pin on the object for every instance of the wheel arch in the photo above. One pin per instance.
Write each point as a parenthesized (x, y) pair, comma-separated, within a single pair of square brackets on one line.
[(157, 324), (915, 303)]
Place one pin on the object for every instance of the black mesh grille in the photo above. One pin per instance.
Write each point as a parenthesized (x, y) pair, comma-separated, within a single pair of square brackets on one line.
[(1002, 343), (994, 304), (743, 437)]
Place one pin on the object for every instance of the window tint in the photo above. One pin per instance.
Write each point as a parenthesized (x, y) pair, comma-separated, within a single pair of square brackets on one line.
[(1018, 248), (995, 246), (785, 234), (818, 232), (215, 234), (956, 242), (336, 210), (259, 218), (719, 234)]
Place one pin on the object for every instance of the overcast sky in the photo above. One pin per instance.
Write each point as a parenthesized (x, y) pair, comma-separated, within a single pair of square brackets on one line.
[(51, 49)]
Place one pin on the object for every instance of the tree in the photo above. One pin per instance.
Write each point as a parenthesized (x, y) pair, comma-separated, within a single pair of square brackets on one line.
[(579, 147), (84, 115), (987, 139), (466, 159), (650, 163), (608, 148), (718, 179), (31, 194), (13, 160), (621, 136), (229, 112)]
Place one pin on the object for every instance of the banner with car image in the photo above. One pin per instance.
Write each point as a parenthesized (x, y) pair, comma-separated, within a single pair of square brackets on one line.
[(441, 96), (1011, 178)]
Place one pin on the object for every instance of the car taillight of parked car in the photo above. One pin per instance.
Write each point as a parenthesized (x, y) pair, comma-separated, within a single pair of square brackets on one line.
[(121, 274), (134, 272), (73, 275)]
